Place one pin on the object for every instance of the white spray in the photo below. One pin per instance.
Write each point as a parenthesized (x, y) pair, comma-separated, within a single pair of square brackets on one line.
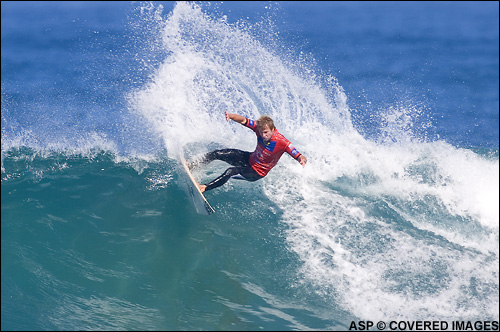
[(401, 230)]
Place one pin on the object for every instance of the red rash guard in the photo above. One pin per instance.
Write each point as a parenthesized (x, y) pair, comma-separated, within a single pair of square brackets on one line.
[(266, 156)]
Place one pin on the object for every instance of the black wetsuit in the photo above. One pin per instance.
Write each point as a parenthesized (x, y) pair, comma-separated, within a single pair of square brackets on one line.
[(240, 160)]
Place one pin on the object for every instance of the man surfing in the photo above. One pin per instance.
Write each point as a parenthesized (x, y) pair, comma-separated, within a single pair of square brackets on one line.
[(251, 166)]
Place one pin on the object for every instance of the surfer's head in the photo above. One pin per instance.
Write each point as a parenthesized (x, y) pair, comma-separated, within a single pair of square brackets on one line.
[(265, 121), (266, 127)]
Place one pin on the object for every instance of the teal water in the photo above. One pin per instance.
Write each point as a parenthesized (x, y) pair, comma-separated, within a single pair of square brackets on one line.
[(395, 216), (90, 242), (106, 245)]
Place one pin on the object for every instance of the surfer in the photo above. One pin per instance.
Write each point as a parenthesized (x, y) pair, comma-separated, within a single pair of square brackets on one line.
[(251, 166)]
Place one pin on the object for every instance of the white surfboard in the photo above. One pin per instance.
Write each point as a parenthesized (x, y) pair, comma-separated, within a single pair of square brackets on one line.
[(200, 202)]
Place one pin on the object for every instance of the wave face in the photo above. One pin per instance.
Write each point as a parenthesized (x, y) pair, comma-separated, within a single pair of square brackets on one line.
[(97, 232), (392, 229)]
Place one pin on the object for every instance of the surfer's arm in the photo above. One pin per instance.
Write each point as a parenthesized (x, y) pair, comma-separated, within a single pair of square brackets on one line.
[(236, 118), (292, 151)]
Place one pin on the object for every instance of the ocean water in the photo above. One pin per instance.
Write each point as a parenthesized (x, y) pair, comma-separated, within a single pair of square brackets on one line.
[(394, 218)]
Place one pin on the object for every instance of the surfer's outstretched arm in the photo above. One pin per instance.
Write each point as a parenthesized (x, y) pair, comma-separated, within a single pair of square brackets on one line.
[(236, 118)]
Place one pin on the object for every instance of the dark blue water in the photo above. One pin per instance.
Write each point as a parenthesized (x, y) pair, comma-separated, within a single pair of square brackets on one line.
[(395, 216)]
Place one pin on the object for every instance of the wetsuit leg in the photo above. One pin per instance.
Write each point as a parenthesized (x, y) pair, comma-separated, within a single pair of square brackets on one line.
[(237, 158), (230, 172), (243, 173), (233, 157)]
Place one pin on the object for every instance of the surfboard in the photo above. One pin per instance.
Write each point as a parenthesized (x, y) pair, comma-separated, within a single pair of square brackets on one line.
[(200, 202)]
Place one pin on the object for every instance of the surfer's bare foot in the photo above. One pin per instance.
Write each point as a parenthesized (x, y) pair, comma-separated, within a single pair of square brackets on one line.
[(202, 187)]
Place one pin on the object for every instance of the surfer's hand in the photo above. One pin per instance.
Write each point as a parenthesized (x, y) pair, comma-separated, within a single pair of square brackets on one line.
[(235, 117), (303, 160)]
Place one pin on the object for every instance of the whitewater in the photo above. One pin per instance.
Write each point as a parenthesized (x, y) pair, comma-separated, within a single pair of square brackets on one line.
[(351, 245)]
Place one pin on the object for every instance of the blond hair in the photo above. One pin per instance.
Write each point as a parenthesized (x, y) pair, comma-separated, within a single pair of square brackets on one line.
[(264, 121)]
